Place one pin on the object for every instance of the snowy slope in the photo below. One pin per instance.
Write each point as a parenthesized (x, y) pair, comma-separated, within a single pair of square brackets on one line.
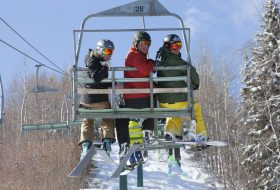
[(155, 174)]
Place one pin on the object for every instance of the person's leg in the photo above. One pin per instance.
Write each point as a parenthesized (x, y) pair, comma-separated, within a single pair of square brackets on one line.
[(108, 128), (174, 124), (86, 131), (122, 136), (200, 125), (86, 136)]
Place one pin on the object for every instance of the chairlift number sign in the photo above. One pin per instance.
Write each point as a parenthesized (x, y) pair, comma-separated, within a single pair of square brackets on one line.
[(139, 9)]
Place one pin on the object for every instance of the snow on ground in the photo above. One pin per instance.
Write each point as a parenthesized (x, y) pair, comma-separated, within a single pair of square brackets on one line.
[(155, 174)]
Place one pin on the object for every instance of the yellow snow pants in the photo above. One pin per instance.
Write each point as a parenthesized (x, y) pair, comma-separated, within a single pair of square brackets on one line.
[(107, 125), (135, 132), (174, 124)]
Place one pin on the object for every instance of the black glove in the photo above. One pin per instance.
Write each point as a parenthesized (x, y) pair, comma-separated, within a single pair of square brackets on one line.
[(105, 67), (195, 87), (152, 61)]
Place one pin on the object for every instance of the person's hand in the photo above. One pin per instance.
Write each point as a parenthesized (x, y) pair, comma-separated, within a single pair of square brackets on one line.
[(152, 61), (119, 85), (106, 64)]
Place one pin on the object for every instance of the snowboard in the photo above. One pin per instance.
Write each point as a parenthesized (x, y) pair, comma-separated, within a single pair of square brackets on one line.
[(129, 169), (122, 164)]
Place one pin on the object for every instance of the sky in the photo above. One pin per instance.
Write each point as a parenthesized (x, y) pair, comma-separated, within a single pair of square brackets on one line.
[(155, 173), (224, 26)]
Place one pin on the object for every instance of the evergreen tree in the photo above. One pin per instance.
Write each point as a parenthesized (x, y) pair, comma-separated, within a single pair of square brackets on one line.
[(261, 95)]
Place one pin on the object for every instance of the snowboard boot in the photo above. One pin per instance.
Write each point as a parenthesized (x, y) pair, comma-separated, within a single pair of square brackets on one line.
[(85, 147), (136, 157), (123, 150), (148, 136), (200, 139)]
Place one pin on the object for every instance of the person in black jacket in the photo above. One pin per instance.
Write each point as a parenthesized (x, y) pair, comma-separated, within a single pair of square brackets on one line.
[(97, 62)]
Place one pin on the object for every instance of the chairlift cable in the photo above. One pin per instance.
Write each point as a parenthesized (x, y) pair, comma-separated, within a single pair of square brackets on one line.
[(31, 57), (31, 45)]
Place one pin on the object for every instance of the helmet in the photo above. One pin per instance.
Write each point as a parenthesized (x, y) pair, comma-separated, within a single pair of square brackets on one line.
[(171, 38), (103, 45), (138, 36)]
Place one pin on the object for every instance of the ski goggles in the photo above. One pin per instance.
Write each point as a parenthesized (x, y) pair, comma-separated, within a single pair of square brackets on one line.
[(145, 42), (176, 45), (108, 51)]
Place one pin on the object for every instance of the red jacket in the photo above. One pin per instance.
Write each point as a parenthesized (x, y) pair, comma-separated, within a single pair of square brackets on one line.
[(144, 66)]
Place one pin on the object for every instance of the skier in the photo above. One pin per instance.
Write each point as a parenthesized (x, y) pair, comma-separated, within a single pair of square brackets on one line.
[(97, 62), (137, 58), (170, 56)]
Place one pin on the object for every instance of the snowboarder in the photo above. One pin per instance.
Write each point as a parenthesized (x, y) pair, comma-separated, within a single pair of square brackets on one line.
[(137, 58), (97, 62), (170, 56)]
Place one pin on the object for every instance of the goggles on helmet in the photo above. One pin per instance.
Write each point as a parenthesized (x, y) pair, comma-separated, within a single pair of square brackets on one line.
[(107, 51), (145, 42), (176, 45)]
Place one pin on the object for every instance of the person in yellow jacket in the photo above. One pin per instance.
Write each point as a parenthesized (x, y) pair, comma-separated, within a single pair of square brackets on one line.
[(171, 56)]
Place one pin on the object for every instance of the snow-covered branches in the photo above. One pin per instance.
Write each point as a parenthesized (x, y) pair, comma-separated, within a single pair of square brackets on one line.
[(261, 77)]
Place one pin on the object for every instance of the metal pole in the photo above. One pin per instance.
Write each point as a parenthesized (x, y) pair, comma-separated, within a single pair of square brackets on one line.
[(123, 182), (140, 176)]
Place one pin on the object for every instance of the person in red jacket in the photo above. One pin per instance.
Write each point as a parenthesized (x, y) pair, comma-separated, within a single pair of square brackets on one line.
[(137, 58)]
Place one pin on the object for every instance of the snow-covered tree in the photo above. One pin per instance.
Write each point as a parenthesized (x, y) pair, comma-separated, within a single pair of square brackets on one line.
[(261, 96)]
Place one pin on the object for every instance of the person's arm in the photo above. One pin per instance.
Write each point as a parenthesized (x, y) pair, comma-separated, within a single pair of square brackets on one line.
[(96, 71), (194, 78), (143, 65)]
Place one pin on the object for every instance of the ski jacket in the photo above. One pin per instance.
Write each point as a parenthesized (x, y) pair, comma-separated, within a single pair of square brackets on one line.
[(170, 59), (143, 65), (97, 72)]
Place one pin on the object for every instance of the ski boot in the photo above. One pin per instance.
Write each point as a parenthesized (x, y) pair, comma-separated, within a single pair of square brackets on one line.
[(85, 147), (200, 139), (107, 145)]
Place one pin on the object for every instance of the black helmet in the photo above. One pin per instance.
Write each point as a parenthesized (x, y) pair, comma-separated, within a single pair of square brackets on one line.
[(171, 38), (104, 44), (138, 36)]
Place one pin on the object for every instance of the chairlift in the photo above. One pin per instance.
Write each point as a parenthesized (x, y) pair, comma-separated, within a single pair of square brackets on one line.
[(142, 9), (42, 108)]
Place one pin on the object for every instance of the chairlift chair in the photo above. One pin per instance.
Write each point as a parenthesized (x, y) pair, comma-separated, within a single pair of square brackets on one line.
[(142, 9)]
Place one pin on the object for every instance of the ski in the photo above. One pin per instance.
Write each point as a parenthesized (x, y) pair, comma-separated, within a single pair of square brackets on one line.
[(199, 143), (202, 143), (122, 164), (105, 156), (83, 163)]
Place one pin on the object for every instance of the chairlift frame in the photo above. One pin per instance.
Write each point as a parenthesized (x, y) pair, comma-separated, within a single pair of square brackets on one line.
[(140, 8)]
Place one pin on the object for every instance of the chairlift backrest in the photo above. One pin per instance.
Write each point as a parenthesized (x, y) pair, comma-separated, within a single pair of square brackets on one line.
[(140, 8)]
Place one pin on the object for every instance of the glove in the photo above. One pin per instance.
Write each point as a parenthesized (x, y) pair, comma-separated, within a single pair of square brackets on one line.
[(152, 61), (195, 87), (106, 64)]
